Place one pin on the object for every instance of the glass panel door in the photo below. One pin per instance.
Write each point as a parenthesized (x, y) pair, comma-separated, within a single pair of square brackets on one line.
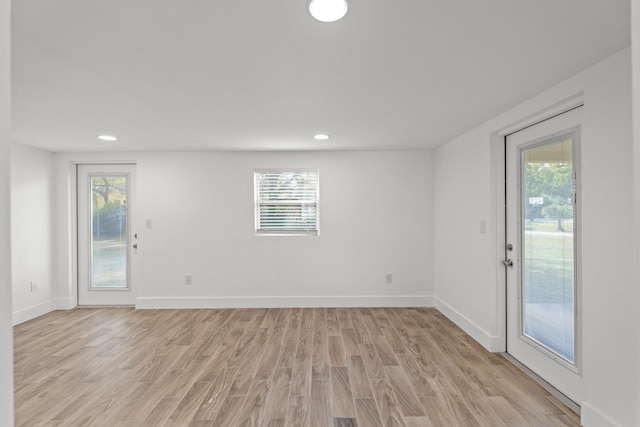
[(106, 242), (548, 247), (109, 236), (541, 254)]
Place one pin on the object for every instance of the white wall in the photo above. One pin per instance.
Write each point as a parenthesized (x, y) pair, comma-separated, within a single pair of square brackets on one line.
[(464, 257), (635, 40), (376, 217), (466, 191), (32, 220), (608, 286), (6, 331)]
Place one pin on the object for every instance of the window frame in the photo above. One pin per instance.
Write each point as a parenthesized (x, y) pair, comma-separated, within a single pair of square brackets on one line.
[(258, 203)]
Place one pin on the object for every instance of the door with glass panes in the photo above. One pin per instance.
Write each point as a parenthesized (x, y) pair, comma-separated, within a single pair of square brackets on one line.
[(106, 242), (542, 252)]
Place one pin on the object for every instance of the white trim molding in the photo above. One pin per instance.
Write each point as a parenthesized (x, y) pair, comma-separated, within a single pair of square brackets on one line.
[(496, 141), (488, 341), (34, 311), (284, 302)]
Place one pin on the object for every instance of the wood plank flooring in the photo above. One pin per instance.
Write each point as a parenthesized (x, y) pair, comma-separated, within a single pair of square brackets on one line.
[(378, 367)]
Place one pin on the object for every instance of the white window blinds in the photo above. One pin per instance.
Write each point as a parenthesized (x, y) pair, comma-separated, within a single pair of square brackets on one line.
[(286, 201)]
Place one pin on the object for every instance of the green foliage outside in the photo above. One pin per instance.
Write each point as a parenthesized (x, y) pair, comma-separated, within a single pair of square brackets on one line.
[(109, 211), (109, 229), (553, 183), (548, 253)]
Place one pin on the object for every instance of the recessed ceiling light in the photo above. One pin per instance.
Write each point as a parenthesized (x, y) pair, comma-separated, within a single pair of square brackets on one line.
[(328, 10), (107, 138), (321, 136)]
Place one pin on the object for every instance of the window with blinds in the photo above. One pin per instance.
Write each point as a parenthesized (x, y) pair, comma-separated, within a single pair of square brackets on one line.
[(286, 201)]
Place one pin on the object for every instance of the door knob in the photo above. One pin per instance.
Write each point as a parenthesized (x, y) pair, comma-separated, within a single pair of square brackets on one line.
[(135, 246), (507, 263)]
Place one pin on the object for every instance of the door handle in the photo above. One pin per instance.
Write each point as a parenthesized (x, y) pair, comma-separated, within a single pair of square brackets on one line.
[(507, 263)]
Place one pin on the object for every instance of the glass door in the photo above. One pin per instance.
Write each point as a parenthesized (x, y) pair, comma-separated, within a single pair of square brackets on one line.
[(104, 234), (543, 293), (548, 245)]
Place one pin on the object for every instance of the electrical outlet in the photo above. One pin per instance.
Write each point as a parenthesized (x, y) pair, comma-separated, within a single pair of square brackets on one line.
[(187, 279), (34, 286), (388, 278)]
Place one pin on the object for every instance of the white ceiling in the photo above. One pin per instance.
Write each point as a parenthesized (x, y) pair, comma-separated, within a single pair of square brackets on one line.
[(263, 75)]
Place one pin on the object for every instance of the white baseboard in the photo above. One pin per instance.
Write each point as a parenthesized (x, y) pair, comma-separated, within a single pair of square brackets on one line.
[(488, 341), (284, 302), (32, 312), (592, 417), (66, 303)]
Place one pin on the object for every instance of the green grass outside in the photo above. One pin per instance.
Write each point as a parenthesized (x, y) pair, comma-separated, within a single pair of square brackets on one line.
[(109, 263), (548, 267), (548, 226)]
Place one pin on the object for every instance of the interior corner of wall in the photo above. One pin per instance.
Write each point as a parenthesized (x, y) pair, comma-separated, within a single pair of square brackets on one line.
[(484, 338), (65, 303)]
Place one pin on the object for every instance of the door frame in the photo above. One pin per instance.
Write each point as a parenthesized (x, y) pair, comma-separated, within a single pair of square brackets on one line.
[(577, 366), (498, 213), (74, 223), (498, 195)]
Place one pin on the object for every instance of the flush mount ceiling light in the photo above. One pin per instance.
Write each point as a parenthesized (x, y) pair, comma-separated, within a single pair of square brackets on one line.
[(328, 10), (109, 138), (321, 136)]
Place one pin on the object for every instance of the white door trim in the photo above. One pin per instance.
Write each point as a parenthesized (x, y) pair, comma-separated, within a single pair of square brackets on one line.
[(498, 170), (113, 299), (564, 372)]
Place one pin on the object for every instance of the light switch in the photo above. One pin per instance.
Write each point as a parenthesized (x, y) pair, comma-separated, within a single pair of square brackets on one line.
[(483, 226), (148, 223)]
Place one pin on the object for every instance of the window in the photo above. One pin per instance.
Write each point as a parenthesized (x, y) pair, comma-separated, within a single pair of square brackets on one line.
[(286, 201)]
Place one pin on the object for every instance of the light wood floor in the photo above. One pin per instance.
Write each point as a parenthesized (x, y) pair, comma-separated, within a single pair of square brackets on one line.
[(275, 367)]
